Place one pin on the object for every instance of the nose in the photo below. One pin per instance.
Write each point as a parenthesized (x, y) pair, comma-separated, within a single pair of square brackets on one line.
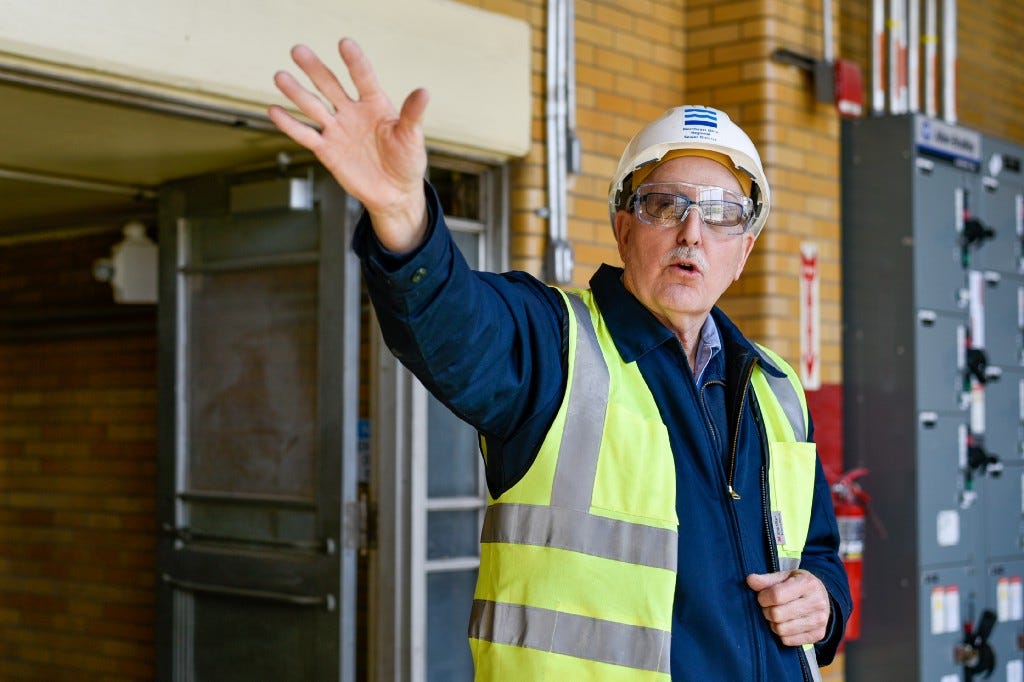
[(690, 228)]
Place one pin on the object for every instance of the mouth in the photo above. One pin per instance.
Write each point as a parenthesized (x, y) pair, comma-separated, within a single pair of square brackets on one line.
[(688, 267)]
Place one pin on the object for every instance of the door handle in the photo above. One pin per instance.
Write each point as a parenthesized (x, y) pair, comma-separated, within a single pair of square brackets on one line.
[(326, 601), (187, 535)]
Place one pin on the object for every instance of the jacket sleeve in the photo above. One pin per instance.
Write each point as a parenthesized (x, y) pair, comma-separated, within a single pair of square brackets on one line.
[(491, 347), (821, 557)]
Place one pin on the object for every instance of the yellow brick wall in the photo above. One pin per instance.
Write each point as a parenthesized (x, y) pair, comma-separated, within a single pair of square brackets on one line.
[(729, 65), (629, 58), (636, 59)]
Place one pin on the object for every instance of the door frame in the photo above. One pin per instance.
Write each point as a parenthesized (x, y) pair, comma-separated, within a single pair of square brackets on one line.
[(399, 468)]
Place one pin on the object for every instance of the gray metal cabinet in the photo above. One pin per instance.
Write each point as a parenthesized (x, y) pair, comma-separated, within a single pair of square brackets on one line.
[(933, 289)]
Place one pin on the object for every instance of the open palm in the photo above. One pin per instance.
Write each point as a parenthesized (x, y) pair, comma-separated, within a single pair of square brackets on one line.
[(376, 154)]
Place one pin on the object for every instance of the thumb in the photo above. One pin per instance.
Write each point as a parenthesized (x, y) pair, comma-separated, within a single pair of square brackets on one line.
[(762, 581), (414, 107)]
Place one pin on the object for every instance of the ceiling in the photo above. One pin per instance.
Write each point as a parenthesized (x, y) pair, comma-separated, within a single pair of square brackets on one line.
[(74, 159)]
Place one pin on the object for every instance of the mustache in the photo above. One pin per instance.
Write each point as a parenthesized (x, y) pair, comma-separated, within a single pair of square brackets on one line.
[(687, 253)]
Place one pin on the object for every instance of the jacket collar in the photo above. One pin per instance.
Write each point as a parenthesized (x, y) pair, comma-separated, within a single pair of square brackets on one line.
[(636, 331)]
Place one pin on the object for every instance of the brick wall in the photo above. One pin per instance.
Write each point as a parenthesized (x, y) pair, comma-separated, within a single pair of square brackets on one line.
[(629, 57), (729, 65), (77, 470), (634, 60)]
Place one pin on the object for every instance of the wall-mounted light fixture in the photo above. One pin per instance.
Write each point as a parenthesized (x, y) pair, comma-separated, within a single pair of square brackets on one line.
[(131, 269)]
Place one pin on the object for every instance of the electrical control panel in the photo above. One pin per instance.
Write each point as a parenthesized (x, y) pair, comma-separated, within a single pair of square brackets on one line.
[(933, 371)]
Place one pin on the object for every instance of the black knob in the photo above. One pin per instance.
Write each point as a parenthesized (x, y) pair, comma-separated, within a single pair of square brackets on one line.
[(977, 363), (982, 660), (976, 231)]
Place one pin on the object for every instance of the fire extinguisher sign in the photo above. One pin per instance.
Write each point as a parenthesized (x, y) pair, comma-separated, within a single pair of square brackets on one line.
[(810, 317)]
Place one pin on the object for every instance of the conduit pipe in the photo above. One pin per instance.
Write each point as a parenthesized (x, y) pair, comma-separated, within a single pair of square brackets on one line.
[(913, 55), (931, 65), (949, 61), (561, 136), (897, 57), (878, 56), (828, 43), (896, 35)]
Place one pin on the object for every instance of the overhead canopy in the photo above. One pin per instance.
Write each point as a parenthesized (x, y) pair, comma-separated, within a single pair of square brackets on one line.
[(140, 92)]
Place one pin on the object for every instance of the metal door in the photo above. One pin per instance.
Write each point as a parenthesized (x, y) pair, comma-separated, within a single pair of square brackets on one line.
[(259, 356)]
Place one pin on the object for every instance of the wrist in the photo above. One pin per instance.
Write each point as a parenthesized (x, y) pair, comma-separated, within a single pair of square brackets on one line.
[(400, 229)]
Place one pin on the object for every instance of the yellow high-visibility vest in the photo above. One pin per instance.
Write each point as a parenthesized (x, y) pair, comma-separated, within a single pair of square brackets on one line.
[(578, 566)]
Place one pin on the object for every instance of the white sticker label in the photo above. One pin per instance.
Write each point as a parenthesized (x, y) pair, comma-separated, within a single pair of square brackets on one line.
[(1019, 205), (962, 446), (1020, 307), (1016, 599), (948, 528), (780, 532), (958, 209), (1003, 599), (1020, 396), (952, 608), (977, 407), (938, 610), (976, 307), (1015, 671), (950, 678)]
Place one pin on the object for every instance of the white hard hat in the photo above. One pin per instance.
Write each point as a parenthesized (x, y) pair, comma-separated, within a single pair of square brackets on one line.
[(694, 129)]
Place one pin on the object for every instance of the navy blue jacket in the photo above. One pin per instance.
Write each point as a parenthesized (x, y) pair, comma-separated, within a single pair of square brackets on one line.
[(493, 348)]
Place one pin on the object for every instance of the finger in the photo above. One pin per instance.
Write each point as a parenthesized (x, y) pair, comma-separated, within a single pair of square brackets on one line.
[(294, 128), (307, 102), (359, 68), (414, 107), (762, 581), (802, 638), (805, 609), (321, 76), (800, 631)]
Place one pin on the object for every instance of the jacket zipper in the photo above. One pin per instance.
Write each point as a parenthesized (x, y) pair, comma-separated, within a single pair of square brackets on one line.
[(736, 433), (773, 553)]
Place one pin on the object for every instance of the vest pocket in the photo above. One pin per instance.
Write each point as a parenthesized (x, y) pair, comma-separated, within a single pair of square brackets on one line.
[(636, 478), (791, 492)]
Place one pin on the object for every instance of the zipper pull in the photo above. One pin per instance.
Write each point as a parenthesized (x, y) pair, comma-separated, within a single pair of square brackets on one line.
[(732, 493)]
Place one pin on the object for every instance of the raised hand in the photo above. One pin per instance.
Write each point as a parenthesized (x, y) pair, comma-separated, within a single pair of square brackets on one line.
[(376, 154)]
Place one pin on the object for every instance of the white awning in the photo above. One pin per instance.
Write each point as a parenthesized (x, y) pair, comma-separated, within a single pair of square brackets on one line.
[(475, 64)]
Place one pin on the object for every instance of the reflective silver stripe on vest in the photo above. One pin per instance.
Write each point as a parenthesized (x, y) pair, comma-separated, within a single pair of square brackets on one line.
[(525, 524), (790, 402), (565, 633), (576, 469), (788, 563)]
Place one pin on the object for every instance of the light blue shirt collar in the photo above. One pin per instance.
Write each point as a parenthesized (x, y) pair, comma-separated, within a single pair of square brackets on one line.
[(709, 344)]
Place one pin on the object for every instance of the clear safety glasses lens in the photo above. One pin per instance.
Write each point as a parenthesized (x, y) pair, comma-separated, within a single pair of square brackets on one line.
[(669, 204)]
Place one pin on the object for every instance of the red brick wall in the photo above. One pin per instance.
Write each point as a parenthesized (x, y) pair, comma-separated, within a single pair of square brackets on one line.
[(77, 470)]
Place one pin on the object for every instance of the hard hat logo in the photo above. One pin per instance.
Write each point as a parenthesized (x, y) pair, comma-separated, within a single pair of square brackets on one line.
[(695, 117), (692, 130)]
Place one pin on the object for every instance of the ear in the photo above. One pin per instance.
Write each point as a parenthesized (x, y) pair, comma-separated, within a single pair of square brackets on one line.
[(623, 225), (748, 246)]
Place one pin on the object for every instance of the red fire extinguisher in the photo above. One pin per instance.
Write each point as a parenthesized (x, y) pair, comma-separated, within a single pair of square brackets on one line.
[(850, 502)]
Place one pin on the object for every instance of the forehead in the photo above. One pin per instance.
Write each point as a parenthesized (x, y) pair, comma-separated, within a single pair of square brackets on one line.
[(696, 170)]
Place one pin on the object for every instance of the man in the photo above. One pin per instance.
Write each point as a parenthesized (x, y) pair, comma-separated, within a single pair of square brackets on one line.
[(657, 507)]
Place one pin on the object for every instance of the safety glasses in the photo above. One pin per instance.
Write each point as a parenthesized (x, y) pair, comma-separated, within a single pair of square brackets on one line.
[(667, 204)]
